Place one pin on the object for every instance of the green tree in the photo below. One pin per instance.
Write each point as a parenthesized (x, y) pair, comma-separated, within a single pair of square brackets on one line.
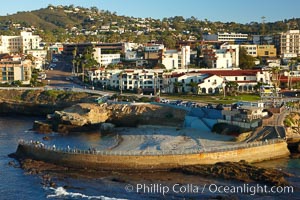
[(74, 53), (177, 86), (121, 81), (169, 41), (246, 61), (194, 87), (30, 57), (231, 85), (276, 74)]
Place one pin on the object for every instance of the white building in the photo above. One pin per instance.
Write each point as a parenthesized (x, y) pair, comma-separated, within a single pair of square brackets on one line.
[(154, 47), (234, 50), (251, 49), (19, 44), (131, 55), (170, 59), (211, 84), (106, 59), (130, 79), (224, 59), (38, 53), (30, 41), (184, 57), (209, 81), (236, 38), (246, 79), (288, 42), (39, 58), (15, 70)]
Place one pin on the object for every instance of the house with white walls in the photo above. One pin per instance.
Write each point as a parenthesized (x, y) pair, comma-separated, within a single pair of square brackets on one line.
[(105, 59), (19, 44)]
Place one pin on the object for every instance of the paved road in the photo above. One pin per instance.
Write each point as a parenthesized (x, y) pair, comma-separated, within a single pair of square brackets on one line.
[(58, 76)]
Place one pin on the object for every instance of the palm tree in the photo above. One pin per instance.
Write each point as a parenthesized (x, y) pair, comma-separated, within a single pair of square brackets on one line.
[(231, 85), (296, 127), (276, 77), (194, 87), (74, 53), (177, 86), (105, 78), (121, 81)]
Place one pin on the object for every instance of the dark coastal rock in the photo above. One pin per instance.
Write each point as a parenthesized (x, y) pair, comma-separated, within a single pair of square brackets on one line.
[(46, 138), (37, 167), (107, 127), (295, 155), (13, 164), (42, 127), (241, 171), (294, 145)]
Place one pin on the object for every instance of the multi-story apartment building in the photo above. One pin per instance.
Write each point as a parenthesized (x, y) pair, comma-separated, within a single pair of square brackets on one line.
[(39, 57), (105, 59), (251, 49), (209, 81), (19, 44), (262, 39), (80, 47), (131, 79), (266, 51), (13, 69), (170, 59), (288, 42), (217, 58), (234, 38), (184, 57), (234, 50)]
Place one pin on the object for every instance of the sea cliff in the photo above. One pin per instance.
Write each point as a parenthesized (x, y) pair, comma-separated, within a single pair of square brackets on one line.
[(89, 116)]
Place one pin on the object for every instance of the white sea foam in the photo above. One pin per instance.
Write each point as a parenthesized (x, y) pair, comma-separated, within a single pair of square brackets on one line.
[(61, 192)]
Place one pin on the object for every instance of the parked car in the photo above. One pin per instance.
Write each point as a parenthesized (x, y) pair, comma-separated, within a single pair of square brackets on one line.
[(164, 101)]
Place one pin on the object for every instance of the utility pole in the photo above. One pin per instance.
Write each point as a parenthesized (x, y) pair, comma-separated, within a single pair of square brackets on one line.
[(263, 28)]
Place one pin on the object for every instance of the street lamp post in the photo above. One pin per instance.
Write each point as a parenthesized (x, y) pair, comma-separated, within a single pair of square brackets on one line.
[(224, 88)]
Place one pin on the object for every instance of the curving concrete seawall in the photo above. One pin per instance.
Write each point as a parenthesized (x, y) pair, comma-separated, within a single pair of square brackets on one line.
[(136, 162)]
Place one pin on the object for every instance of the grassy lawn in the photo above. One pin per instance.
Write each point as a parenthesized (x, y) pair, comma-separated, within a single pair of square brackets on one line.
[(215, 99)]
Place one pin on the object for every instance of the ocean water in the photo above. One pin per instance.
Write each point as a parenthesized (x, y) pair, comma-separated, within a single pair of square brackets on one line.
[(15, 183)]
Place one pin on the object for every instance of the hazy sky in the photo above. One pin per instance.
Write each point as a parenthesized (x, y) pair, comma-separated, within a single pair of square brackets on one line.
[(241, 11)]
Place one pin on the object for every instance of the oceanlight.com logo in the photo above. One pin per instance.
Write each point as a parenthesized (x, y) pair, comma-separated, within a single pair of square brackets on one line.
[(208, 188)]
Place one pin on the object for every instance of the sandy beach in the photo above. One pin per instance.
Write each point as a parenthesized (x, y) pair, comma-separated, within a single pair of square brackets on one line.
[(162, 138)]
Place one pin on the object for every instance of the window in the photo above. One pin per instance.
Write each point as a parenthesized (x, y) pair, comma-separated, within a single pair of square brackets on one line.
[(245, 78), (236, 78)]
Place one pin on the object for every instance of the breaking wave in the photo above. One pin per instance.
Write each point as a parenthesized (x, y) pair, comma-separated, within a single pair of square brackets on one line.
[(61, 192)]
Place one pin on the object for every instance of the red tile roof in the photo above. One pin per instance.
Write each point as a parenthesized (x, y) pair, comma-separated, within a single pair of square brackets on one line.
[(231, 72), (284, 79)]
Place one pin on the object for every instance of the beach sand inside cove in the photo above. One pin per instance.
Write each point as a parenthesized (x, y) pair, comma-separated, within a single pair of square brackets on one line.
[(163, 139)]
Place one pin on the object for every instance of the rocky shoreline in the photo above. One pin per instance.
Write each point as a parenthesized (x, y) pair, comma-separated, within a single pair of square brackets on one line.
[(38, 102), (90, 116), (238, 171)]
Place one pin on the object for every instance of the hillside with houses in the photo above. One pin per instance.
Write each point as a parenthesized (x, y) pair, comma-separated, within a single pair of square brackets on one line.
[(149, 56)]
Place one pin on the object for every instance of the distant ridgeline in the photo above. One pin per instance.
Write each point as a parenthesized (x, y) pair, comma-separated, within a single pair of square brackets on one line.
[(50, 23)]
